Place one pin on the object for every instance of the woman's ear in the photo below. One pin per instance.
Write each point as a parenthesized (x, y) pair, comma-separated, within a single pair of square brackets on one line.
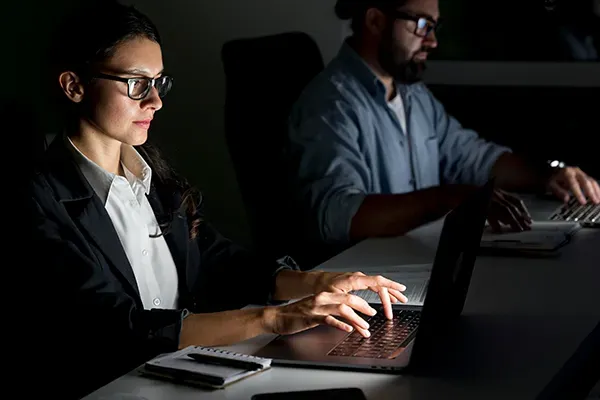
[(71, 86)]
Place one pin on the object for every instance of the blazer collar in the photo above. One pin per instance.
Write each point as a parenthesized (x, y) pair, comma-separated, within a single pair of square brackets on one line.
[(87, 211)]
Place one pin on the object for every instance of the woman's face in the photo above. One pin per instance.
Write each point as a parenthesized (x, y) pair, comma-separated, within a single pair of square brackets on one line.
[(106, 106)]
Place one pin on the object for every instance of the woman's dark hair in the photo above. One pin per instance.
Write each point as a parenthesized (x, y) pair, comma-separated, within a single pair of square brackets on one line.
[(355, 10), (101, 26)]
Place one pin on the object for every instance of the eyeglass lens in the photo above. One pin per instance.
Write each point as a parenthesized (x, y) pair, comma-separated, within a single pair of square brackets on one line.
[(139, 88), (424, 27)]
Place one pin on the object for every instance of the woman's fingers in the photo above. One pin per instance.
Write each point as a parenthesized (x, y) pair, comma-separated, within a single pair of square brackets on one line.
[(358, 282), (344, 306), (348, 314), (398, 296), (386, 302), (336, 323)]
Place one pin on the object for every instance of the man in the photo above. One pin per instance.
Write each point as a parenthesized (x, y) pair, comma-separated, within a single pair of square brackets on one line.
[(374, 154)]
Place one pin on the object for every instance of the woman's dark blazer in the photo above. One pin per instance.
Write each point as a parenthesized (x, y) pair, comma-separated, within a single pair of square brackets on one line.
[(90, 311)]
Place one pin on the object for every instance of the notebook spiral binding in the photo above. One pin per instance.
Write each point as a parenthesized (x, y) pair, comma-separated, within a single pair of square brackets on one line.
[(228, 353)]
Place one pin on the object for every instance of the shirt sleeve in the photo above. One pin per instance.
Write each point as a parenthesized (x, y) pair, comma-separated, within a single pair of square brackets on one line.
[(465, 157), (330, 175)]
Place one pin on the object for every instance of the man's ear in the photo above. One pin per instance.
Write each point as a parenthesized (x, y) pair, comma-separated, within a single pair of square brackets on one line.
[(375, 21), (71, 86)]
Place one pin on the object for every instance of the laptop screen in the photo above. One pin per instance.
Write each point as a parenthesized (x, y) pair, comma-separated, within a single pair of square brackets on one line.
[(453, 266)]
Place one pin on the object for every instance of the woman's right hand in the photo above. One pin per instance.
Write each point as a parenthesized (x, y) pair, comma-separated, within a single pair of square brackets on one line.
[(322, 308)]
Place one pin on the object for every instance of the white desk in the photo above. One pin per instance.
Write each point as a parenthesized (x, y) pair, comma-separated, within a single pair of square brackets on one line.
[(523, 319)]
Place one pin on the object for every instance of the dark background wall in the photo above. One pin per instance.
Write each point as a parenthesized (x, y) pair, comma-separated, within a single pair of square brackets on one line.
[(551, 111)]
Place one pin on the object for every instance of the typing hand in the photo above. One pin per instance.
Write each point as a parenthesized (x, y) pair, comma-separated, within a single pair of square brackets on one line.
[(325, 307), (573, 180), (508, 209), (388, 291)]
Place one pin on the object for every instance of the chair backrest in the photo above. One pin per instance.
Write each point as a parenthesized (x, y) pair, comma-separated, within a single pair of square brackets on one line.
[(264, 77)]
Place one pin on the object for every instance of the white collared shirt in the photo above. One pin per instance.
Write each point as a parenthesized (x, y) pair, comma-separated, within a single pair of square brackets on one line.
[(133, 218)]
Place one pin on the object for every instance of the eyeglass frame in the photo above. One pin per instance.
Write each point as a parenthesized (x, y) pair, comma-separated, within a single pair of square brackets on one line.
[(130, 81), (417, 18)]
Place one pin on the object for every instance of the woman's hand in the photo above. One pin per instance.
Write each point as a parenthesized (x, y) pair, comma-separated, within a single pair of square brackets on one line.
[(388, 290), (335, 302)]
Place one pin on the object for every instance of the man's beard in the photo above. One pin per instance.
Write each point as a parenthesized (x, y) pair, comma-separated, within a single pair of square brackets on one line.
[(395, 62)]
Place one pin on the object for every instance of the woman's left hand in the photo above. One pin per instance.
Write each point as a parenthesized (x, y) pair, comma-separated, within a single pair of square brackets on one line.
[(388, 290)]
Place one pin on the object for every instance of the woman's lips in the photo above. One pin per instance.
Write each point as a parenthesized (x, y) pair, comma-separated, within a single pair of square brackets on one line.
[(144, 124)]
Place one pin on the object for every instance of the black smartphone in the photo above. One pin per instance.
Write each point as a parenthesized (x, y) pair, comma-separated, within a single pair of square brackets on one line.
[(329, 394)]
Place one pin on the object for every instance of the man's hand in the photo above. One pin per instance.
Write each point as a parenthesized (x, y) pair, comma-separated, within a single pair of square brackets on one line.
[(573, 180), (508, 210)]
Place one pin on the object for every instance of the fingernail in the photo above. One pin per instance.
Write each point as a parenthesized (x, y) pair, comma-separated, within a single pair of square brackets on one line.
[(373, 311), (368, 334), (403, 288), (365, 325)]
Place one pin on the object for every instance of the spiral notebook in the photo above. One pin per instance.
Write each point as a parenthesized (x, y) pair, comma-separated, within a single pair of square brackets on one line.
[(204, 366)]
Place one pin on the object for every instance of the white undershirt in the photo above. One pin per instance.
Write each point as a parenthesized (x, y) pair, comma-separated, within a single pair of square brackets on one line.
[(397, 105), (133, 218)]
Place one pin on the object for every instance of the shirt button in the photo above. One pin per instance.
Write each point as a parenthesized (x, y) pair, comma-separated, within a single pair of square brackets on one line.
[(133, 203), (145, 252), (156, 302)]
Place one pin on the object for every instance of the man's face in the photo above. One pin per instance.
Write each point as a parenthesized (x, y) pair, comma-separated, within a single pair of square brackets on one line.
[(405, 45)]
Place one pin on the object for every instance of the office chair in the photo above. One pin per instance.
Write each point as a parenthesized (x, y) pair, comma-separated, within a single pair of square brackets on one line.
[(264, 77)]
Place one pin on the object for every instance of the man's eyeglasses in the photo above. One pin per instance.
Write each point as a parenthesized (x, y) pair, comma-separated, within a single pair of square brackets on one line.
[(424, 25), (139, 88)]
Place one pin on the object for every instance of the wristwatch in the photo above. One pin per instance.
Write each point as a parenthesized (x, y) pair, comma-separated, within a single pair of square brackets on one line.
[(555, 164)]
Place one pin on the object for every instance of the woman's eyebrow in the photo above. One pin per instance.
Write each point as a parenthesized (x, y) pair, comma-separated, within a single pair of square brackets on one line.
[(143, 72)]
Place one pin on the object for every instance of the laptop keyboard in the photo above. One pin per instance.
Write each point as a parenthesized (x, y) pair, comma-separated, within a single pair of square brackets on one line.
[(386, 336), (587, 215)]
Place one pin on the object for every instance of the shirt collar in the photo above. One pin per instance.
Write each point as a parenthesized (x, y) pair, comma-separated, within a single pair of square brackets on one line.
[(135, 167)]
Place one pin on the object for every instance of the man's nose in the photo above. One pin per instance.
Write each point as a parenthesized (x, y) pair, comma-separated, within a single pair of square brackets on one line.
[(430, 40)]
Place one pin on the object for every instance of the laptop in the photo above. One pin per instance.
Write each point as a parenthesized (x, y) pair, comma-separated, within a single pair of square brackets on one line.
[(405, 342)]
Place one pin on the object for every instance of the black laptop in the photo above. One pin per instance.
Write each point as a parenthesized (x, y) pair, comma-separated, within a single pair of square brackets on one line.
[(405, 341)]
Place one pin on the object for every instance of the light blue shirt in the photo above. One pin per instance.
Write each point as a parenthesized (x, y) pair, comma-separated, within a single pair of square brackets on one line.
[(345, 143)]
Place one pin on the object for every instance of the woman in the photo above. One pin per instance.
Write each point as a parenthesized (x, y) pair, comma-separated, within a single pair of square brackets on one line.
[(130, 265)]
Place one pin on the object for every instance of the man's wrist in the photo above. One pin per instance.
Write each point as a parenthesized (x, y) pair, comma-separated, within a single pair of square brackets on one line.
[(550, 169)]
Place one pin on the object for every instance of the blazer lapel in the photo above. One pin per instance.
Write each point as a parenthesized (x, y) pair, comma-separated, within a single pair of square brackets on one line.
[(87, 211), (95, 222)]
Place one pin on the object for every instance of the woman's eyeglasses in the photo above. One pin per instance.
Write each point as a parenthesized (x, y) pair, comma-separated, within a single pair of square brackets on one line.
[(139, 88), (424, 25)]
